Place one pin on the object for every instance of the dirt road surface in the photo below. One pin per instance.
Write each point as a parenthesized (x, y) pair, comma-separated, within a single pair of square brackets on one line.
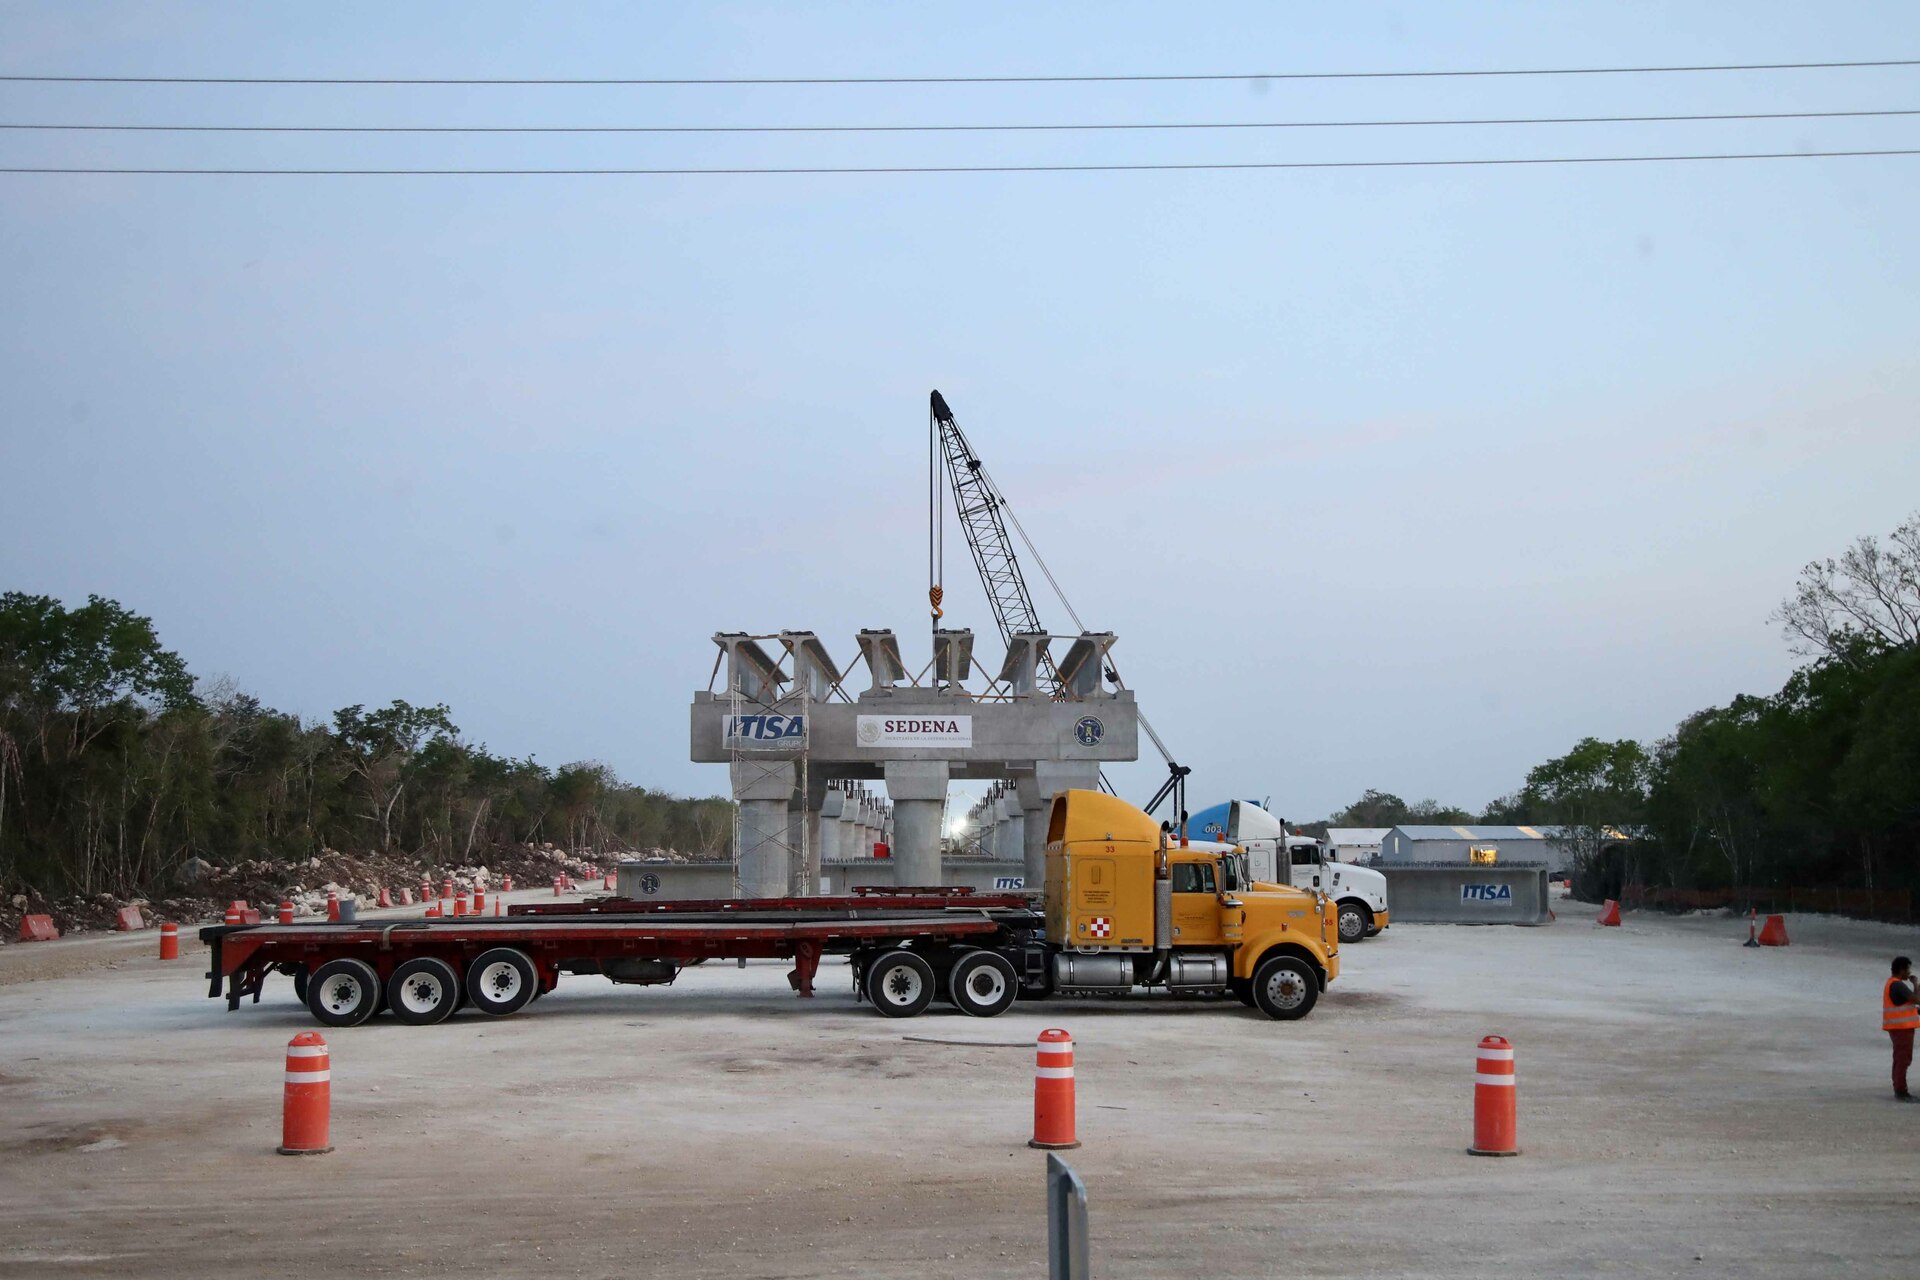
[(1687, 1108)]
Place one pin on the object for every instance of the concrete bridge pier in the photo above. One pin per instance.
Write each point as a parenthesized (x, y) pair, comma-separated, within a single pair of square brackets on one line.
[(918, 789), (765, 795)]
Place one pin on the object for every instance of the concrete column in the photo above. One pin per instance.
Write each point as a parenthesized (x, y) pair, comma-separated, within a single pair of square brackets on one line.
[(765, 794), (815, 831), (831, 805), (853, 826), (1016, 838), (1036, 791)]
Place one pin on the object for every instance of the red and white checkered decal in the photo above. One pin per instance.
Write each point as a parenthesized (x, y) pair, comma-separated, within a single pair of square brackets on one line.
[(1100, 926)]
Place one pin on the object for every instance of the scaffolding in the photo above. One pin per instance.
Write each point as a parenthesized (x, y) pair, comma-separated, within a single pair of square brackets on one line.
[(755, 759)]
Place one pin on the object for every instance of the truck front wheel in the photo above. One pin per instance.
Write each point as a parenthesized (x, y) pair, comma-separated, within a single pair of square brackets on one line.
[(983, 984), (1284, 988), (900, 984), (1356, 921)]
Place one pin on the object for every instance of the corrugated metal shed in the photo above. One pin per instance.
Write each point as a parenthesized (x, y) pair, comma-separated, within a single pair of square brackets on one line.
[(1435, 843)]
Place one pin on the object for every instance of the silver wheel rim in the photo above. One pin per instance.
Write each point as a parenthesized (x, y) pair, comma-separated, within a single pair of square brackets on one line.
[(901, 985), (422, 993), (1286, 989), (1350, 924), (986, 985), (341, 994), (500, 982)]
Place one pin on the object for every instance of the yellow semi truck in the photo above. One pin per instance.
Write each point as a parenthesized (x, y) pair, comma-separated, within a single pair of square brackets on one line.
[(1128, 905)]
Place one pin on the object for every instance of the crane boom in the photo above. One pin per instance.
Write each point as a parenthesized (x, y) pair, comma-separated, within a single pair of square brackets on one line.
[(983, 515), (978, 505)]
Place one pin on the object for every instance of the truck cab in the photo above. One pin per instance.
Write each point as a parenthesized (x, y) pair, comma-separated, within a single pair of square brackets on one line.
[(1130, 905), (1274, 855)]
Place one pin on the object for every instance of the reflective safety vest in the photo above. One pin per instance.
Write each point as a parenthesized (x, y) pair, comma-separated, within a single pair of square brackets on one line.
[(1897, 1017)]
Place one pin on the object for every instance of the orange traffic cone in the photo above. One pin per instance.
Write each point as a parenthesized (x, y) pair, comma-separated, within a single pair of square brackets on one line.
[(1053, 1100), (308, 1097), (1609, 914), (169, 941), (1774, 932), (385, 899)]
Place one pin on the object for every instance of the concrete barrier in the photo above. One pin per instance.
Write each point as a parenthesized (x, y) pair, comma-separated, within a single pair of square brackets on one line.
[(1449, 893)]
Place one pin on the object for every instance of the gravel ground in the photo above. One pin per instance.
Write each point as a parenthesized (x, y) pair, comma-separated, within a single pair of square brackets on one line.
[(1688, 1107)]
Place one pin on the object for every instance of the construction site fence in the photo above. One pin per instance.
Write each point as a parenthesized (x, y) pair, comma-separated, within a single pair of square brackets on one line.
[(1866, 904)]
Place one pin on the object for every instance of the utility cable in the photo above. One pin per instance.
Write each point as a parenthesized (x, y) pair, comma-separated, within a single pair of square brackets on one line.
[(668, 81), (840, 170), (25, 126)]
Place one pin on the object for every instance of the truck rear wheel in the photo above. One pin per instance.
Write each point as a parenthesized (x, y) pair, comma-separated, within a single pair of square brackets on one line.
[(1356, 921), (423, 991), (1284, 988), (343, 993), (983, 984), (900, 984), (501, 981)]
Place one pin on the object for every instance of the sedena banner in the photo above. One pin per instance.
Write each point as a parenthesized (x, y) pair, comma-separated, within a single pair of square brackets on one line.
[(914, 731)]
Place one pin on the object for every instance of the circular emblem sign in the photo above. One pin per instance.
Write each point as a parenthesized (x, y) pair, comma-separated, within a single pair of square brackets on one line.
[(869, 733), (649, 883), (1089, 731)]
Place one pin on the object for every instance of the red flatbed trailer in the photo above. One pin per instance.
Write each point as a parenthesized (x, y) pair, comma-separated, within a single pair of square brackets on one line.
[(424, 969)]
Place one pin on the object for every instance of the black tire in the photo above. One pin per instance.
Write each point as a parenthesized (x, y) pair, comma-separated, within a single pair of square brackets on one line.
[(1355, 919), (343, 993), (983, 984), (423, 991), (1242, 989), (502, 981), (900, 984), (300, 983), (1284, 988)]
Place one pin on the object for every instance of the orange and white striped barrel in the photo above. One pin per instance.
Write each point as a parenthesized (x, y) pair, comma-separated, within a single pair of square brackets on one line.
[(233, 914), (169, 941), (557, 882), (446, 889), (1053, 1100), (1496, 1129), (286, 912), (506, 884), (426, 889), (479, 901), (308, 1103), (460, 903)]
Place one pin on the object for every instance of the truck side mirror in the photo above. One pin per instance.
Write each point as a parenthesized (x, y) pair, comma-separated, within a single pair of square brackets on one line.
[(1316, 882)]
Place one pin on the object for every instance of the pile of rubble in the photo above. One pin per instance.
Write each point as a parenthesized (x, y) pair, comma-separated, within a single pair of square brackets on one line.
[(199, 891)]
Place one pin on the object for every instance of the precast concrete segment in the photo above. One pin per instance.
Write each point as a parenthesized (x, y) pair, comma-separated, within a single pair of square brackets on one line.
[(831, 805), (1454, 894), (765, 864)]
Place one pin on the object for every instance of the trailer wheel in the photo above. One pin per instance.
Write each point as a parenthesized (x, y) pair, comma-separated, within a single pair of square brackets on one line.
[(502, 981), (1284, 988), (1356, 922), (983, 984), (343, 993), (423, 991), (900, 984)]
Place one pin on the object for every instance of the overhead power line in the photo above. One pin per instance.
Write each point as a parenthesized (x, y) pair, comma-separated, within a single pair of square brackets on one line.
[(867, 80), (28, 126), (981, 168)]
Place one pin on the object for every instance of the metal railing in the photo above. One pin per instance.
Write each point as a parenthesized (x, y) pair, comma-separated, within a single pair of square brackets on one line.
[(1066, 1222)]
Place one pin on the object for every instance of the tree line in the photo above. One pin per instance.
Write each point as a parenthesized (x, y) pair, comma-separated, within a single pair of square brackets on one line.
[(116, 766), (1814, 786)]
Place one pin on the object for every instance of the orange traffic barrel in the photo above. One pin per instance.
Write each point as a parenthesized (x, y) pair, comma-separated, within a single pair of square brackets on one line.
[(1774, 932), (1495, 1122), (426, 888), (169, 941), (286, 912), (557, 881), (446, 889), (460, 903), (506, 884), (308, 1101), (479, 901), (233, 914), (1053, 1100), (333, 906)]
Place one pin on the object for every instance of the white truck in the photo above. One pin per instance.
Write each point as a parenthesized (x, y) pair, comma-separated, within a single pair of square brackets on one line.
[(1277, 857)]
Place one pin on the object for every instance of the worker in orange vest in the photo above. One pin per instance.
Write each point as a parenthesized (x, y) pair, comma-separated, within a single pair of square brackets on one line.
[(1899, 1016)]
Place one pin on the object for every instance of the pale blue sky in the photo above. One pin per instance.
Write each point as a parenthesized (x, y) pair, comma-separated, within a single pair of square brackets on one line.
[(1460, 465)]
